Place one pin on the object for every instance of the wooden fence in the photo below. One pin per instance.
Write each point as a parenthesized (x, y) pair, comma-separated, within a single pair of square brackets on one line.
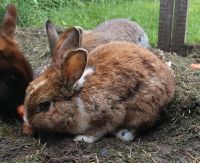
[(172, 24)]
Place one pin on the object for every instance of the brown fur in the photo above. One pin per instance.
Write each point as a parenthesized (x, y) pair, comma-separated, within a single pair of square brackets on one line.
[(129, 88), (108, 31), (12, 63), (12, 53)]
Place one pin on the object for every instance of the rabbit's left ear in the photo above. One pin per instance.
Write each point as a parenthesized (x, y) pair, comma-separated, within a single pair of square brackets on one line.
[(73, 66), (52, 35), (9, 22)]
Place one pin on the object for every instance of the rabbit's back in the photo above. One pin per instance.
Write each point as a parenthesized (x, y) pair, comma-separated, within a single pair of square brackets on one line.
[(15, 74), (115, 30), (129, 78), (128, 61)]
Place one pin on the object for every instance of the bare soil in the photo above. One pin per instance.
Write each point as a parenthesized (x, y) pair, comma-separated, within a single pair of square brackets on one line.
[(176, 138)]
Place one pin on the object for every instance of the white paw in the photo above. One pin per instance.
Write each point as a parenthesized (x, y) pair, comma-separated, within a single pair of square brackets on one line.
[(125, 135), (169, 63), (87, 139)]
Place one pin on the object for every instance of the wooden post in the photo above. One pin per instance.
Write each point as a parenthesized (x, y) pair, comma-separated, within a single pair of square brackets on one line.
[(172, 25), (165, 24), (179, 24)]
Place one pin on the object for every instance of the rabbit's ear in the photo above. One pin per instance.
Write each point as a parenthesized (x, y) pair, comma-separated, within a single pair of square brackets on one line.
[(52, 35), (9, 22), (71, 39), (73, 66)]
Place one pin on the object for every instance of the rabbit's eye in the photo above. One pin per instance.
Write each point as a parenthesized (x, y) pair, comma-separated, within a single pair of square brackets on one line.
[(44, 106)]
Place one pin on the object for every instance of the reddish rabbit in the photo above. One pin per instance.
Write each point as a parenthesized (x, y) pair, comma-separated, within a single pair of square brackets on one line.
[(15, 71), (122, 88)]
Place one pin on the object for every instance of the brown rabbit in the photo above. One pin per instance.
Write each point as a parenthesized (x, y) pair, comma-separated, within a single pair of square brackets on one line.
[(109, 31), (15, 71), (122, 88)]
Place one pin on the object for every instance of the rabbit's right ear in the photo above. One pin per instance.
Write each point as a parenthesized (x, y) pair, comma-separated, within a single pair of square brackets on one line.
[(9, 22), (73, 66), (52, 35), (70, 39)]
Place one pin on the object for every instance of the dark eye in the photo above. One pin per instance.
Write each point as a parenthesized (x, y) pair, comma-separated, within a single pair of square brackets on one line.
[(44, 106)]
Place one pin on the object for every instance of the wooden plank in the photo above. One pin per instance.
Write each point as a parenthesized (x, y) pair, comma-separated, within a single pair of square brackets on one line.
[(165, 24), (179, 24)]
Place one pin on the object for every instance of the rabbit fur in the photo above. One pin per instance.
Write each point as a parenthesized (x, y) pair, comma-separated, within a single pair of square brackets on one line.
[(118, 87), (108, 31), (15, 71)]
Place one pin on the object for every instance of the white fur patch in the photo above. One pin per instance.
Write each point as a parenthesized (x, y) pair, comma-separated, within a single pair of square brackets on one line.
[(25, 117), (80, 82), (87, 139), (144, 41), (169, 63), (125, 135), (38, 85), (80, 105)]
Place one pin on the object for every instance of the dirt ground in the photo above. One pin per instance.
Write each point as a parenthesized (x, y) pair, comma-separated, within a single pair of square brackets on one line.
[(175, 139)]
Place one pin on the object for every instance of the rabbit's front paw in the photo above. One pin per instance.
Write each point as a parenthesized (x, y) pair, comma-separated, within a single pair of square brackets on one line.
[(85, 138), (125, 135)]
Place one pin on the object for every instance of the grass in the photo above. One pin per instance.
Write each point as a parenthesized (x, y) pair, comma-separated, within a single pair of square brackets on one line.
[(193, 30), (89, 13)]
